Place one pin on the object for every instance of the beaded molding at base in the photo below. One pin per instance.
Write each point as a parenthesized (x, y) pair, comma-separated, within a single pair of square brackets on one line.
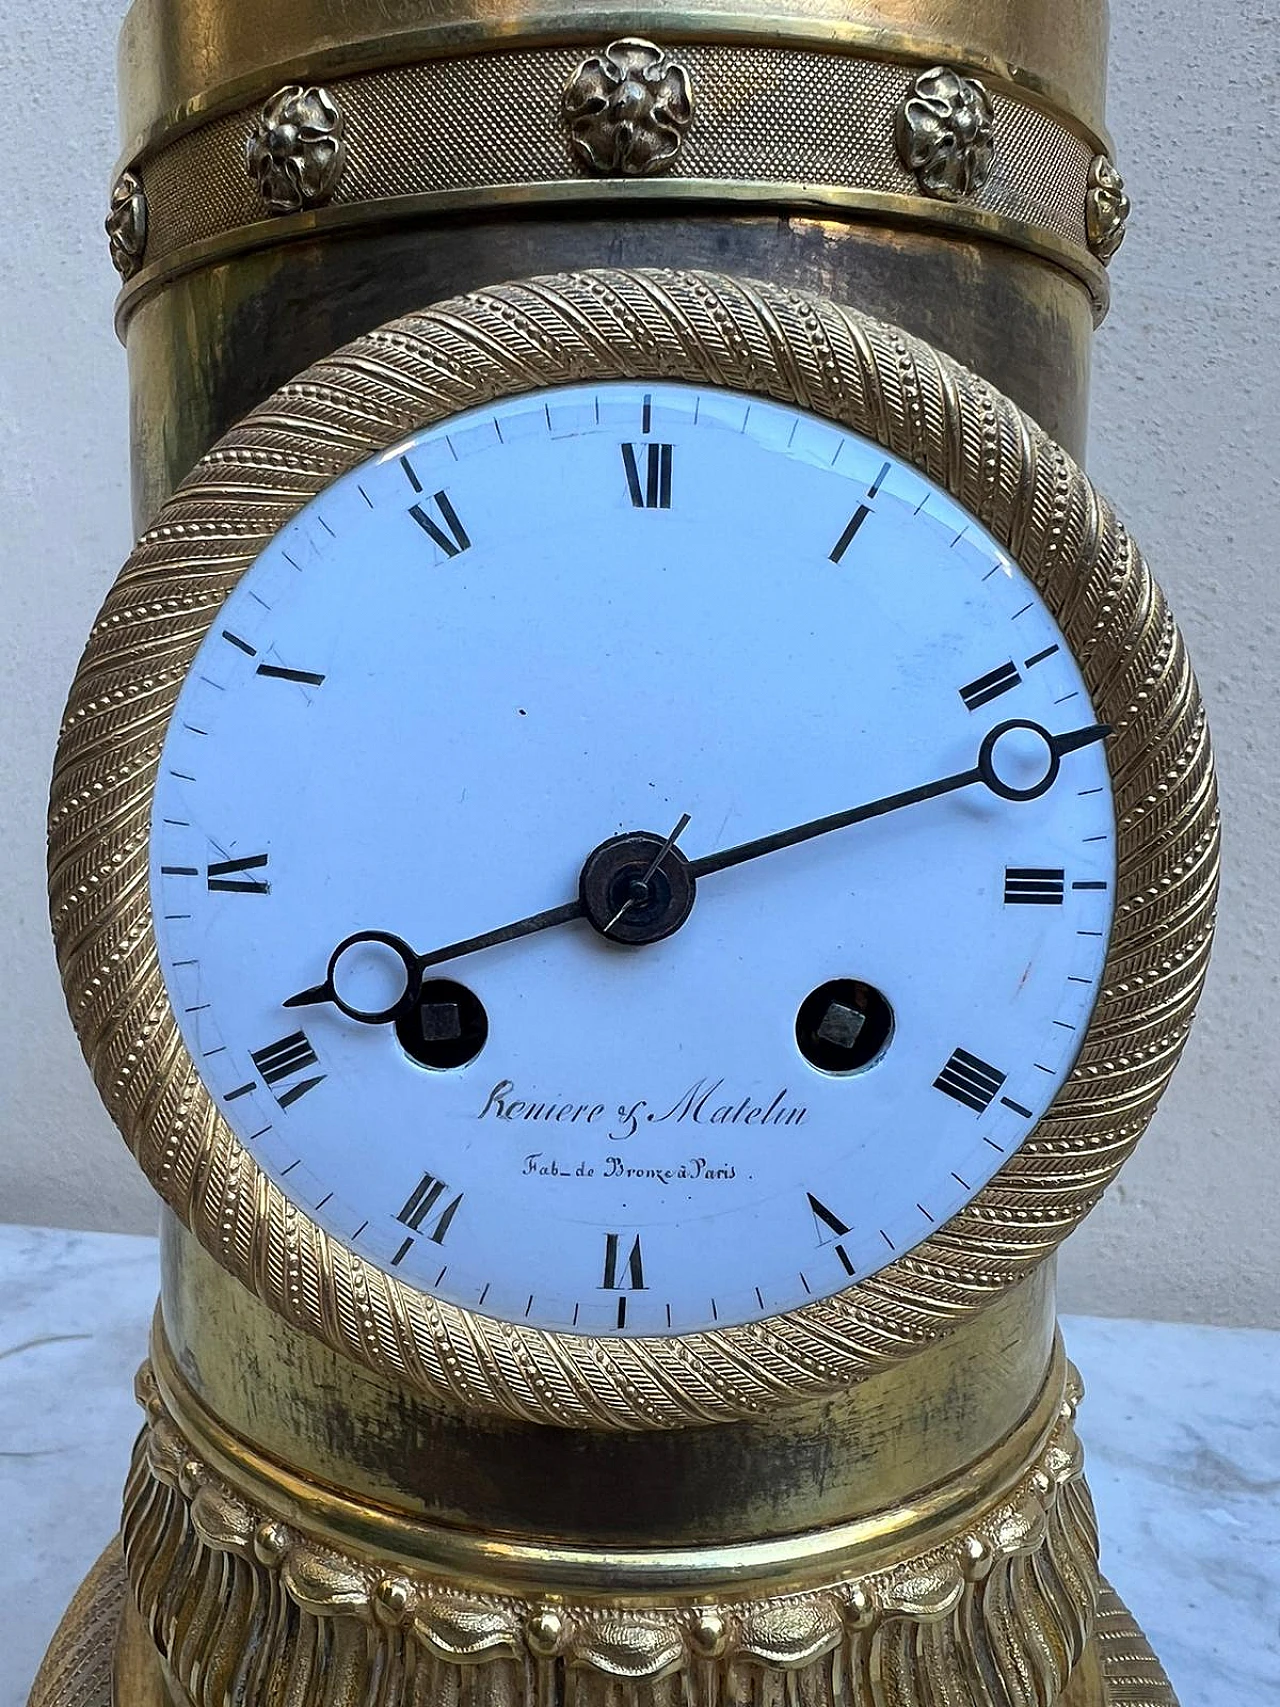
[(77, 1669), (998, 1611)]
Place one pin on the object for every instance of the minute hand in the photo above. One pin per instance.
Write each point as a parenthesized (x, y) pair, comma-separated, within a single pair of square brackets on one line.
[(984, 772)]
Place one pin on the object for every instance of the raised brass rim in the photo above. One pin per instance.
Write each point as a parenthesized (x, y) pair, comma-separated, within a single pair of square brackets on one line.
[(592, 326), (808, 130), (1015, 1569), (162, 96), (820, 200), (861, 1545)]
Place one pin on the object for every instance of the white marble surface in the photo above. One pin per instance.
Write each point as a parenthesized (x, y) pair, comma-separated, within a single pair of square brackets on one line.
[(1181, 1424), (74, 1313)]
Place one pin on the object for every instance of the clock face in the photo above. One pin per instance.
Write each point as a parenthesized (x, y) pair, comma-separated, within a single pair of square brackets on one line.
[(609, 659)]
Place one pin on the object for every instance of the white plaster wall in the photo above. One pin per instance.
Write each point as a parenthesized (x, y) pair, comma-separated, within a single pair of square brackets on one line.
[(1186, 435), (1186, 440), (64, 528)]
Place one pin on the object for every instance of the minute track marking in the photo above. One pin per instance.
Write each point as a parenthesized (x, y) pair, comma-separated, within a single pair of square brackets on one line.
[(985, 772)]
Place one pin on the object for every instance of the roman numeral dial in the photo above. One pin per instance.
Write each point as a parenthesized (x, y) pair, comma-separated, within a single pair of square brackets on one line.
[(244, 875), (990, 686), (439, 520), (851, 527), (1046, 885), (1034, 885), (831, 1230), (623, 1263), (840, 794), (283, 673), (967, 1079)]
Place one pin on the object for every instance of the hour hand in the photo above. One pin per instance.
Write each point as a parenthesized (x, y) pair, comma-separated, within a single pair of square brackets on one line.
[(394, 970), (627, 879), (366, 965)]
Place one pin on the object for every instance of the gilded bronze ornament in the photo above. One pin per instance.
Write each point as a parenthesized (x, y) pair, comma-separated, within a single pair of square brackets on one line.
[(296, 153), (1011, 1583), (945, 131), (600, 325), (628, 109), (126, 224), (787, 126), (346, 1492), (1132, 1676), (1106, 208), (1118, 1668)]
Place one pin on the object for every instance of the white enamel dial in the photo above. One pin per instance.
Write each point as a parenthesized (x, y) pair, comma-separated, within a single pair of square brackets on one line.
[(572, 616)]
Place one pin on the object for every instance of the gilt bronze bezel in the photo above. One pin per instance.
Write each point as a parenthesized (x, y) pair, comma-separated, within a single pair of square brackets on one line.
[(594, 326)]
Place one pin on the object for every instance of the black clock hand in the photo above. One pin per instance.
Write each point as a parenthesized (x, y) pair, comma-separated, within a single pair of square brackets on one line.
[(328, 991), (622, 857), (984, 771), (535, 922), (415, 964)]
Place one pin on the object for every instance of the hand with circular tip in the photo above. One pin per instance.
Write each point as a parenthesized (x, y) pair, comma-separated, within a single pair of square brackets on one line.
[(632, 864), (630, 890), (416, 964), (986, 771)]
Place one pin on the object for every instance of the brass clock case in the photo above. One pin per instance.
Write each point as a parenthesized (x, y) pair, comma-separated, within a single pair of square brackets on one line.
[(596, 326), (1118, 1668)]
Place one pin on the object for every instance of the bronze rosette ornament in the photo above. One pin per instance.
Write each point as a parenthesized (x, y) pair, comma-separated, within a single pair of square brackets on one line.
[(946, 134), (296, 152), (1106, 208), (126, 224), (628, 109)]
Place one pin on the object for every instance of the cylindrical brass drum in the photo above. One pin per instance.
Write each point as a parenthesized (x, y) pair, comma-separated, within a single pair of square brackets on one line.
[(446, 155), (294, 177)]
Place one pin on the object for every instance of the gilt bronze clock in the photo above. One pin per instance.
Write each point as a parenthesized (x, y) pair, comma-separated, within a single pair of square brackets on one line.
[(631, 850)]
